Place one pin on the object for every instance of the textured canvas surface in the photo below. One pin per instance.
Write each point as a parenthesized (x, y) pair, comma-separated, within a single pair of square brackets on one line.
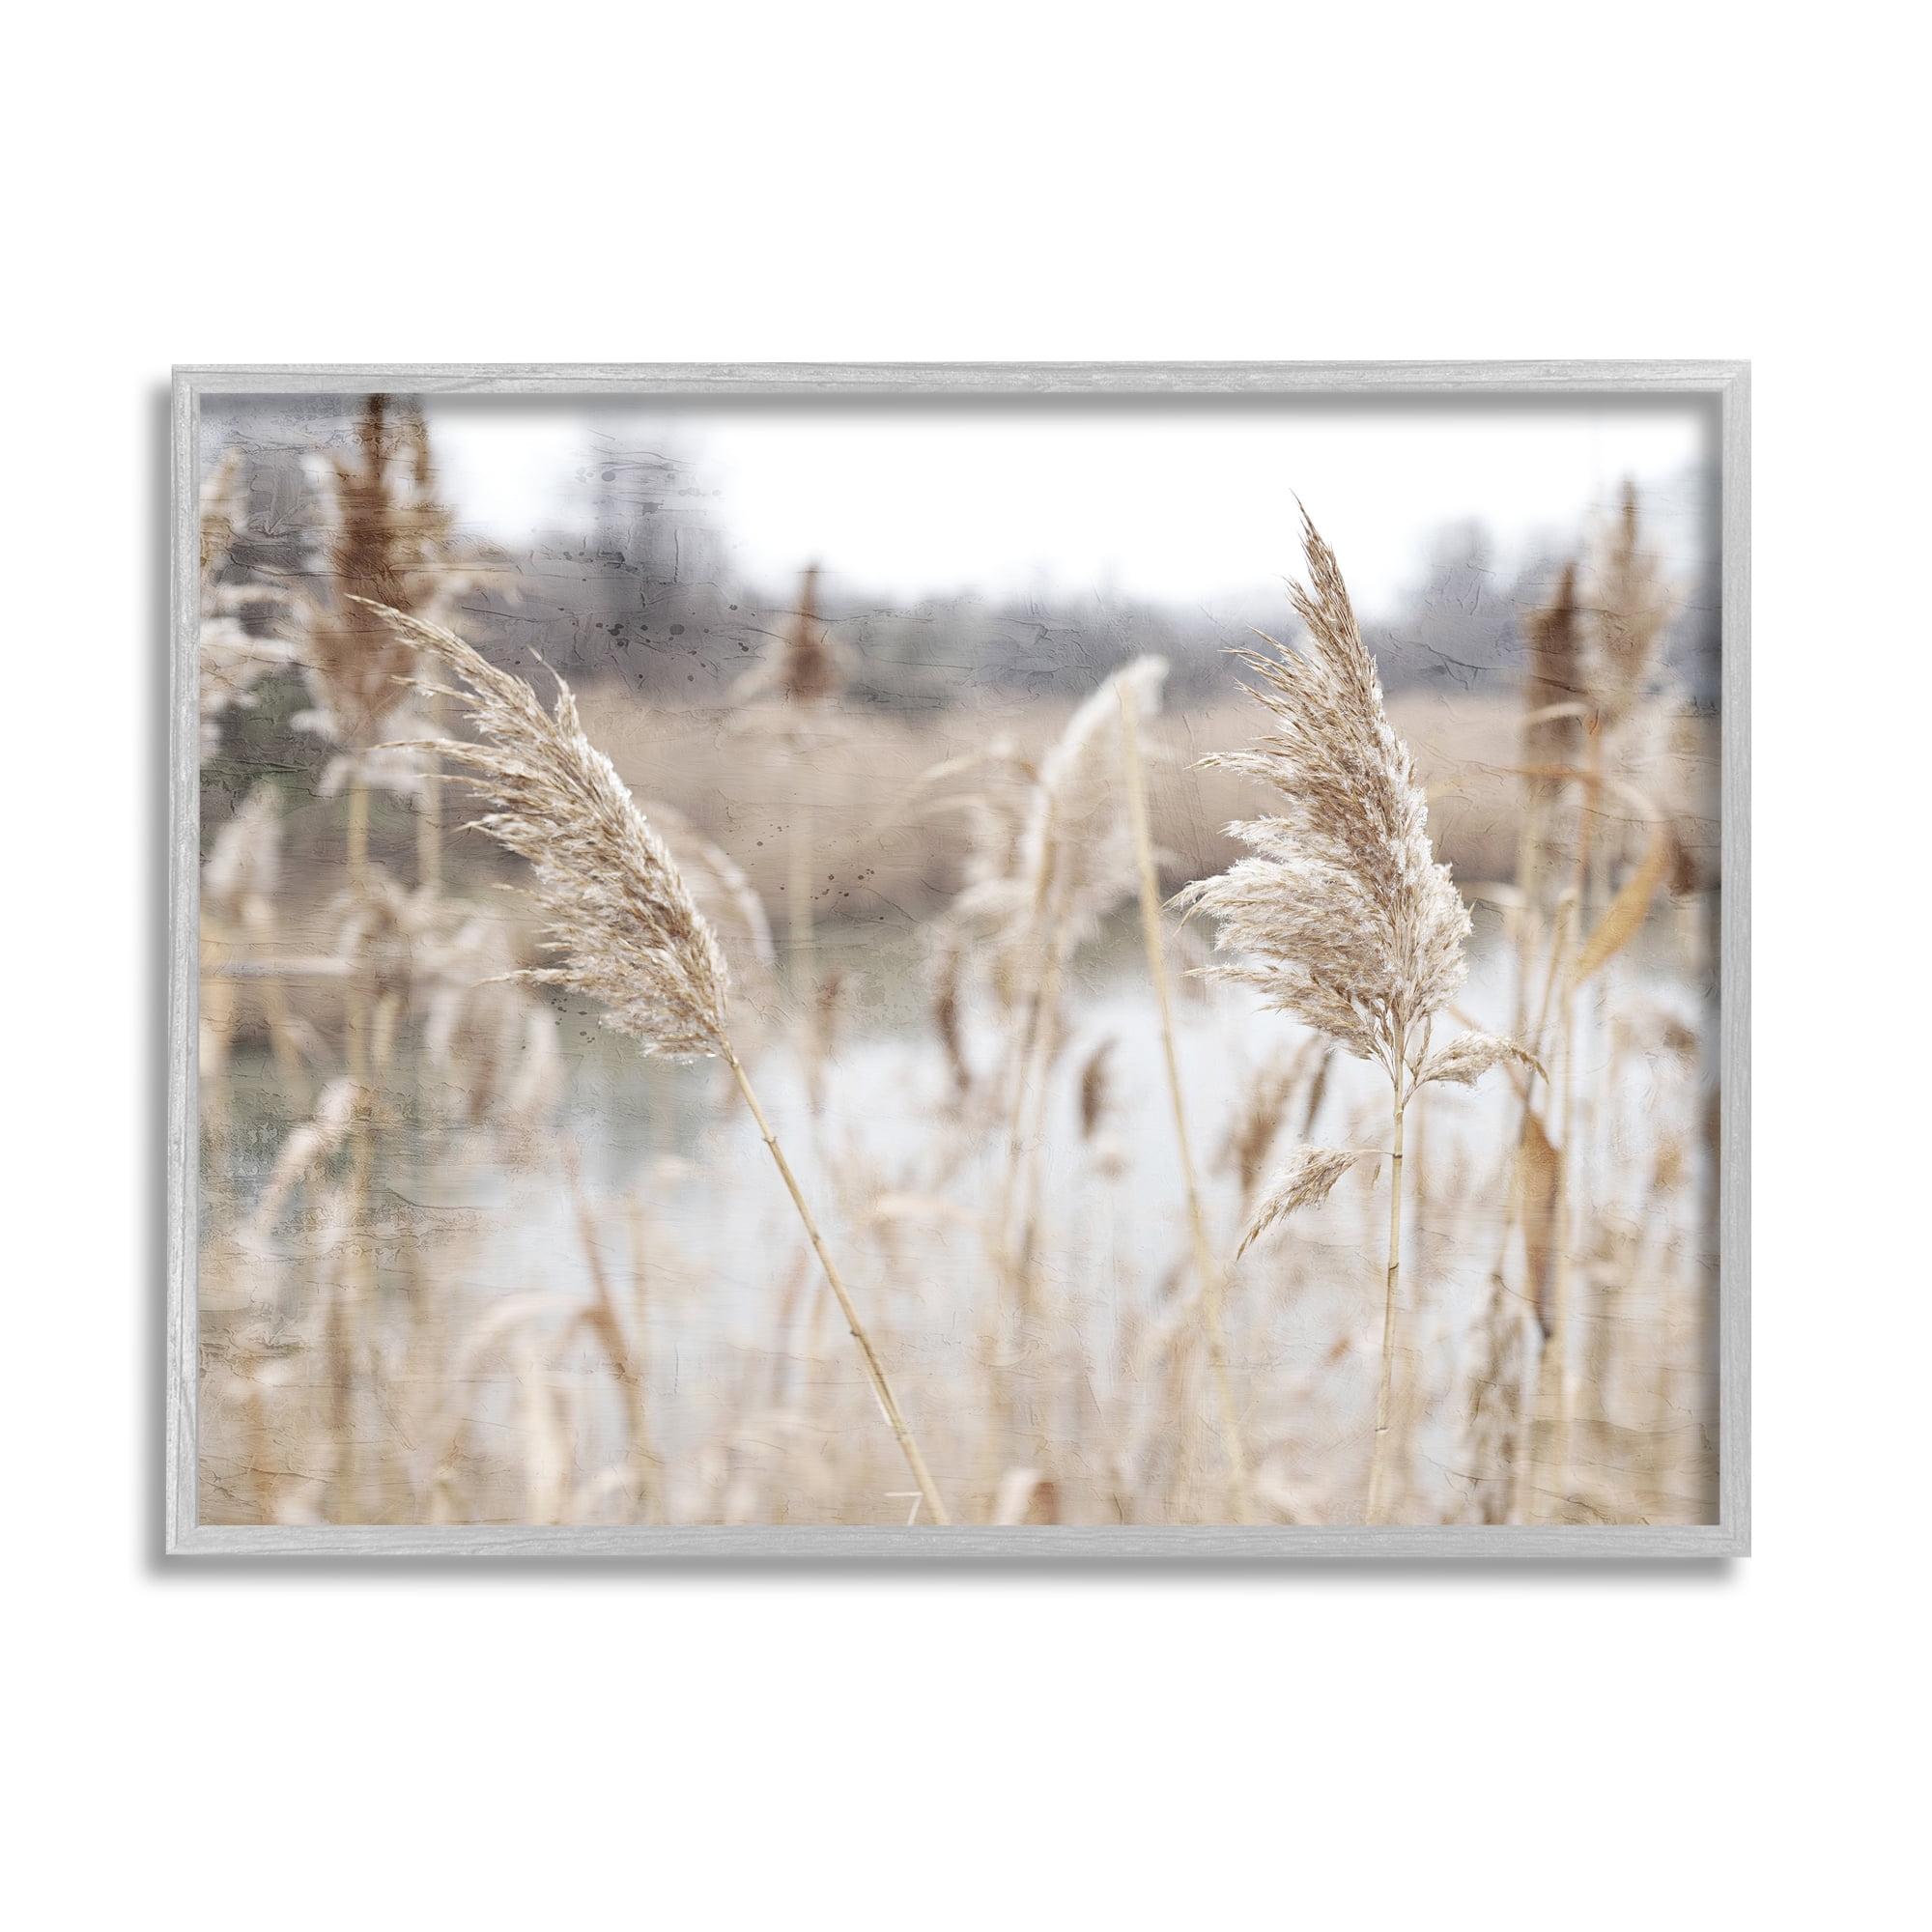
[(939, 1107)]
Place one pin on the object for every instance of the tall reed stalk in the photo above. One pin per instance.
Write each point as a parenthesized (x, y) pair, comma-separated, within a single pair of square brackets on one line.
[(1343, 916), (355, 667), (619, 914), (600, 1317), (1207, 1271), (355, 1287), (1626, 607), (1378, 1477), (429, 811), (875, 1368), (1506, 1394)]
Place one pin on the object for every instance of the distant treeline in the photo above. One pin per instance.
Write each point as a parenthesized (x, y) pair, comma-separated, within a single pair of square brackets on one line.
[(645, 593)]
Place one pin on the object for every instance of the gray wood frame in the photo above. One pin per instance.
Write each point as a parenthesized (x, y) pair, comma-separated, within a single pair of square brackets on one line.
[(1728, 382)]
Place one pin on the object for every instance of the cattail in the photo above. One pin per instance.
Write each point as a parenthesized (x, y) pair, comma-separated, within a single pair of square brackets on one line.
[(617, 910), (1342, 918)]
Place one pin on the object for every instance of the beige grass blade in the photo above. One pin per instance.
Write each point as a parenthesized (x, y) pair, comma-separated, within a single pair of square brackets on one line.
[(1624, 918), (1538, 1178)]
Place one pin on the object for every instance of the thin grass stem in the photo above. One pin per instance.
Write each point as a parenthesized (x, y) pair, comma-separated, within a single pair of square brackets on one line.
[(1205, 1268), (875, 1368), (1378, 1475)]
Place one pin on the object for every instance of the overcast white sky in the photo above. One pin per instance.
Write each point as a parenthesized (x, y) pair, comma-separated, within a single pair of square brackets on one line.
[(1181, 504)]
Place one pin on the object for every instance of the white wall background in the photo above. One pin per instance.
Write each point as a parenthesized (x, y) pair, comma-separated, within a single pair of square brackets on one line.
[(1320, 1747)]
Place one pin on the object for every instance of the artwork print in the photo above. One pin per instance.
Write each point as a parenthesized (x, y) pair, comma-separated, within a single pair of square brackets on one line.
[(1015, 962)]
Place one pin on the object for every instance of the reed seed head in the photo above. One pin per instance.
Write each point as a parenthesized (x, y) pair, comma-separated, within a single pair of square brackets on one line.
[(1076, 859), (1342, 916), (1307, 1177), (617, 909)]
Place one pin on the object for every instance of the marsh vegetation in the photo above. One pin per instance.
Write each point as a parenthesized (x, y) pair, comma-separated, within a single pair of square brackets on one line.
[(1022, 1105)]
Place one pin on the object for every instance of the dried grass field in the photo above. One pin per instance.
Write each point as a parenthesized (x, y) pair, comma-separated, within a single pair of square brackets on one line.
[(984, 1112)]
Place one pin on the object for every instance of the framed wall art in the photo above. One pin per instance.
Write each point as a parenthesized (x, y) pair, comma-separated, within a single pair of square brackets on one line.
[(961, 962)]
